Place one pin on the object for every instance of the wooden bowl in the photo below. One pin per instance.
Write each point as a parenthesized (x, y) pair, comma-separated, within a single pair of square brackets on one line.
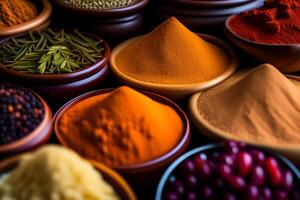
[(154, 166), (39, 136), (211, 132), (214, 148), (285, 57), (208, 3), (114, 179), (207, 12), (42, 18), (174, 90), (133, 8)]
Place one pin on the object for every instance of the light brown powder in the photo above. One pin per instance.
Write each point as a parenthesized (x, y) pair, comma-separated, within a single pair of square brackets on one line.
[(262, 105)]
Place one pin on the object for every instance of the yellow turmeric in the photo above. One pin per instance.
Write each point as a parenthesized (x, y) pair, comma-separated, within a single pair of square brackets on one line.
[(121, 128), (14, 12), (172, 54)]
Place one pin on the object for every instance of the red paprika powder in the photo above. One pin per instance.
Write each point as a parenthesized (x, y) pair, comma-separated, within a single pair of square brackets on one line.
[(277, 22)]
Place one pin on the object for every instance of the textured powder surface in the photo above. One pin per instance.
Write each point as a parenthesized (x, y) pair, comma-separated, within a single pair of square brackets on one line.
[(123, 127), (55, 173), (172, 54), (262, 105)]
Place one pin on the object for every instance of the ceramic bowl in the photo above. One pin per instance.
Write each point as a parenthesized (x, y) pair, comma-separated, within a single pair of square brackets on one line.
[(39, 136), (212, 148), (42, 18), (154, 166), (174, 90), (62, 86), (285, 57), (114, 179), (210, 132)]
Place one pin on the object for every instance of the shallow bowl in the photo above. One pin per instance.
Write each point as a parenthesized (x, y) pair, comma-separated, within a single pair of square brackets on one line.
[(174, 90), (114, 179), (285, 57), (213, 148), (40, 20)]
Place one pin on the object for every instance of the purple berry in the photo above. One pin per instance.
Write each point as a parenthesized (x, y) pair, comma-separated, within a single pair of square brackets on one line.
[(172, 196), (228, 159), (287, 179), (244, 163), (236, 182), (218, 184), (251, 192), (203, 168), (224, 171), (190, 195), (266, 194), (229, 196), (258, 176), (258, 157), (188, 167), (207, 192), (281, 195), (178, 186), (191, 181)]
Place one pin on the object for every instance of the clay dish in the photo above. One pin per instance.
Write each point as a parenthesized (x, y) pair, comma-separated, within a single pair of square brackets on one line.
[(213, 133), (39, 136), (42, 18), (152, 167), (285, 57), (174, 90), (114, 179)]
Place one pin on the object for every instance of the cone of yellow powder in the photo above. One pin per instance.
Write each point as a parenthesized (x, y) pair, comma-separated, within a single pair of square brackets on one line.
[(172, 57)]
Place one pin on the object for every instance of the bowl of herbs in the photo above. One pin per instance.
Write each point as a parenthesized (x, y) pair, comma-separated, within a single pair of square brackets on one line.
[(56, 63)]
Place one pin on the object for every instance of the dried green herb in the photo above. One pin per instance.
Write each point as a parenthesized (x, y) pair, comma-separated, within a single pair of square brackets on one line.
[(50, 52)]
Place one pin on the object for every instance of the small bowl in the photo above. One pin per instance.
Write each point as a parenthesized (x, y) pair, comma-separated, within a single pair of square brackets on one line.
[(208, 12), (114, 179), (285, 57), (174, 90), (212, 148), (151, 167), (39, 136), (40, 20), (292, 152)]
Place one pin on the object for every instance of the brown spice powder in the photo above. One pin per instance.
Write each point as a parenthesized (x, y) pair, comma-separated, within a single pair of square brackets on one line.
[(261, 105)]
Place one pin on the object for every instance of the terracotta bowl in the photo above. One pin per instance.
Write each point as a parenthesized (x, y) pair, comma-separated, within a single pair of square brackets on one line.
[(211, 132), (285, 57), (39, 136), (114, 179), (152, 167), (45, 10), (213, 148), (174, 90), (62, 86)]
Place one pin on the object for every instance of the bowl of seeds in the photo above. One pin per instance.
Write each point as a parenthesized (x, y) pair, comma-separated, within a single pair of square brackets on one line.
[(55, 61), (25, 119)]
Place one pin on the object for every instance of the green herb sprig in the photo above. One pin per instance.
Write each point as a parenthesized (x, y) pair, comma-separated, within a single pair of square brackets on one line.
[(50, 52)]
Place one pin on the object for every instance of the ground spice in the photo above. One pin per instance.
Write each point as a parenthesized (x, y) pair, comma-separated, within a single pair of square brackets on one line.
[(14, 12), (123, 127), (55, 173), (262, 105), (171, 54), (277, 22)]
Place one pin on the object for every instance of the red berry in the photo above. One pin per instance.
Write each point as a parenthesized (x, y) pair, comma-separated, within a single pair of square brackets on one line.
[(244, 163), (273, 171), (236, 182), (203, 168)]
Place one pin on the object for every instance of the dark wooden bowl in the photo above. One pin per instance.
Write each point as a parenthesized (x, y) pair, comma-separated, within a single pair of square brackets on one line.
[(135, 7), (113, 178), (42, 18), (59, 78), (208, 3), (285, 57), (208, 12), (39, 136), (154, 167)]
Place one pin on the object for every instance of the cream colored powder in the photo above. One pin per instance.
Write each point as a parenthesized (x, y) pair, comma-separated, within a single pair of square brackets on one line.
[(262, 105)]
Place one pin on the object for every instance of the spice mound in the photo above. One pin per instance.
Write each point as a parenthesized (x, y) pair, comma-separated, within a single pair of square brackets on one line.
[(171, 54), (14, 12), (21, 111), (121, 128), (260, 105), (54, 172), (277, 22), (98, 4), (50, 52)]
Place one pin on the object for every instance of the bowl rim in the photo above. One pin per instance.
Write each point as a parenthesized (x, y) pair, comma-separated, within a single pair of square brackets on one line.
[(175, 87), (131, 8), (140, 166), (213, 146), (260, 44), (64, 77), (9, 163), (40, 19), (199, 120), (6, 148)]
